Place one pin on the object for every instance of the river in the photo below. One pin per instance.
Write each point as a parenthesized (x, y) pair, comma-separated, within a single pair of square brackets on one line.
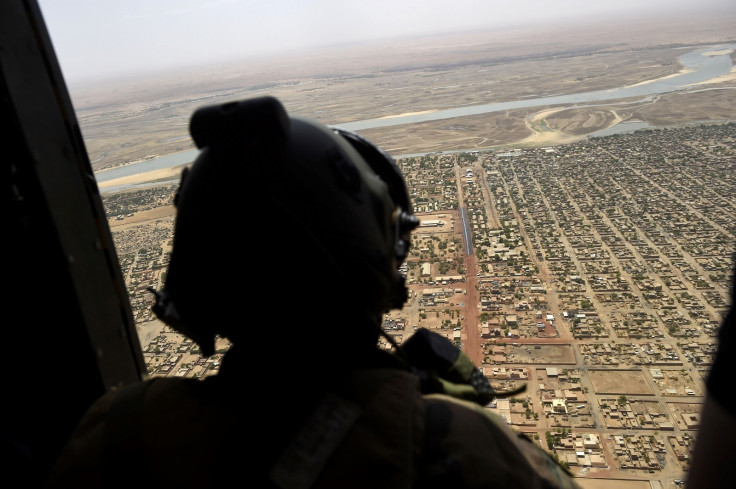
[(698, 65)]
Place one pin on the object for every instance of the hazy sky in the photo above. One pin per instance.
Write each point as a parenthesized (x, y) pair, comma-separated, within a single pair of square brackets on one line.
[(107, 37)]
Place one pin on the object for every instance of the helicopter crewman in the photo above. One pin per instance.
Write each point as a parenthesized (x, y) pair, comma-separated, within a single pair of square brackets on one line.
[(288, 239)]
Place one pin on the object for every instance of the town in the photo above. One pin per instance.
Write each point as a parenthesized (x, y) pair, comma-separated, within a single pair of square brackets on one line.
[(596, 273)]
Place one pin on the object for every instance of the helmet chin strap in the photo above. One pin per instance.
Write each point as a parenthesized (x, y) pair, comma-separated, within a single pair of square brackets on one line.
[(165, 309)]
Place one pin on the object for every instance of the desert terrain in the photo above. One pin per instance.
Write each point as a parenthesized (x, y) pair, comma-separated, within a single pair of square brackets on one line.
[(129, 120), (136, 120)]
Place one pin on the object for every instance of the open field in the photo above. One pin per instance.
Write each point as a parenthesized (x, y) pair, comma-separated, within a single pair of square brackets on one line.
[(619, 382), (541, 354), (613, 484)]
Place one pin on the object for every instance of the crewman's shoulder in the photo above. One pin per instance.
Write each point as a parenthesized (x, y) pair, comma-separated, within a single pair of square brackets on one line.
[(461, 411), (487, 450)]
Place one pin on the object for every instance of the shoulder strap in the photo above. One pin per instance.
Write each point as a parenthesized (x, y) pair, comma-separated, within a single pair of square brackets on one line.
[(373, 414)]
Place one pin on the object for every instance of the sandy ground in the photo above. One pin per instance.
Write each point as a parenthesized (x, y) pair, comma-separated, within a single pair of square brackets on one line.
[(162, 174), (612, 484), (681, 72), (405, 114)]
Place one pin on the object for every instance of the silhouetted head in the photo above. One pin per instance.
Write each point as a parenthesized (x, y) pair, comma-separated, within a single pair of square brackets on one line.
[(280, 219)]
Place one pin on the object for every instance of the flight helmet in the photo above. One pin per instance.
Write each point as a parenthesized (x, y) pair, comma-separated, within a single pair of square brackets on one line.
[(319, 210)]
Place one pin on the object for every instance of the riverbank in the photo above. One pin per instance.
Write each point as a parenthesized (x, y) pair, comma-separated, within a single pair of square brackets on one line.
[(163, 175), (701, 90)]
